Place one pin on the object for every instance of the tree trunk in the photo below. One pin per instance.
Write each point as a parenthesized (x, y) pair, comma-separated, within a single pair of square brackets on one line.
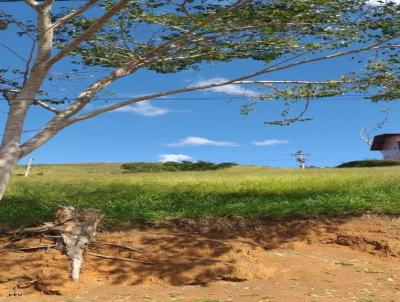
[(8, 162), (10, 146), (10, 151)]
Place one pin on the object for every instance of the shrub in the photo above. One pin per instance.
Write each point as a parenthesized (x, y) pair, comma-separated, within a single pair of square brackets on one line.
[(175, 166), (370, 163)]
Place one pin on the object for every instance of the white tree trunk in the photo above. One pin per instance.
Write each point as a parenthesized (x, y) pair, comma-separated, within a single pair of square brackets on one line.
[(10, 150), (8, 162), (10, 146)]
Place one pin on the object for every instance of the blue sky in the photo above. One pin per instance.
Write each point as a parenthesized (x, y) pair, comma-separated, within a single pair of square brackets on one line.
[(206, 125)]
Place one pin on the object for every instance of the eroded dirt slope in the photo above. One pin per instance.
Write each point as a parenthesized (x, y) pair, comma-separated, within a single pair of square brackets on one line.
[(322, 259)]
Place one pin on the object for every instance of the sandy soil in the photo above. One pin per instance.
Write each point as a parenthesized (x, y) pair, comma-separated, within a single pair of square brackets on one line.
[(322, 259)]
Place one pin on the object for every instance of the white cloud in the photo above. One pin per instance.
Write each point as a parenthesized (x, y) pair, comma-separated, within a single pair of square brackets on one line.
[(270, 142), (174, 157), (381, 2), (230, 89), (195, 141), (144, 108)]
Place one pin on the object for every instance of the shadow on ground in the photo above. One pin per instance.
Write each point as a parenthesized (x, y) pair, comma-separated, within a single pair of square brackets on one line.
[(176, 252)]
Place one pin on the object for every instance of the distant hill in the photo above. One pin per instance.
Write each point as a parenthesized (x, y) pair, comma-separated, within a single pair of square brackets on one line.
[(370, 163)]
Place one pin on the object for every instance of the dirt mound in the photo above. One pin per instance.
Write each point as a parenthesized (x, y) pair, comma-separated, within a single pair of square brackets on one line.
[(280, 254)]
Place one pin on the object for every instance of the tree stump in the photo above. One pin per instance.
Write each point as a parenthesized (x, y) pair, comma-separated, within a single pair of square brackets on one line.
[(74, 230), (77, 228)]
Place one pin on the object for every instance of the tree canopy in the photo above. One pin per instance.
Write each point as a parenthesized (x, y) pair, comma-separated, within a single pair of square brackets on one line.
[(121, 37), (168, 37)]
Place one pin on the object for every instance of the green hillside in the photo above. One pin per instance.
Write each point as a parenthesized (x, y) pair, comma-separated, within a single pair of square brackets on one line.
[(235, 191)]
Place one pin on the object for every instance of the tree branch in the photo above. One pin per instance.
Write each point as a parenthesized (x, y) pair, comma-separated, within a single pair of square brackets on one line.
[(45, 40), (93, 28), (29, 248), (45, 106), (202, 87), (288, 121), (73, 13), (365, 136), (131, 66), (35, 101), (13, 52), (60, 121), (8, 82), (28, 62), (292, 82), (34, 4)]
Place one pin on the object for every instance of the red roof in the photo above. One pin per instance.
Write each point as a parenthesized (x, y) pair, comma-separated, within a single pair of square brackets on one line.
[(380, 140)]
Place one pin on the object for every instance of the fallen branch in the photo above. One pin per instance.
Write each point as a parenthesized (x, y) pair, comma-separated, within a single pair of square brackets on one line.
[(60, 220), (4, 232), (28, 284), (120, 259), (46, 227), (9, 279), (126, 247), (117, 245), (51, 236), (29, 248)]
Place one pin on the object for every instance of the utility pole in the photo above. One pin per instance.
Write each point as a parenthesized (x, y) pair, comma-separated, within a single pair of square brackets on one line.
[(28, 167), (300, 158)]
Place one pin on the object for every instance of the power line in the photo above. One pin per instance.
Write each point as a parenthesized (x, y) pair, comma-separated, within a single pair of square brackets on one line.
[(41, 0), (341, 98)]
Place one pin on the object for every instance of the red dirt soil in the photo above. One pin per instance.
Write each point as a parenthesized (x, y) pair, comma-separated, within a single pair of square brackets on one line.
[(321, 259)]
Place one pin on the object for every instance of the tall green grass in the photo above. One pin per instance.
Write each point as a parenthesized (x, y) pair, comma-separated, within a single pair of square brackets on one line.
[(237, 191)]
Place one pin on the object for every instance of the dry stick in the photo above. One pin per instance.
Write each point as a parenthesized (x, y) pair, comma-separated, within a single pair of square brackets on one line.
[(32, 248), (51, 236), (28, 284), (127, 247), (103, 243), (46, 227), (117, 245), (4, 232), (8, 279), (120, 259)]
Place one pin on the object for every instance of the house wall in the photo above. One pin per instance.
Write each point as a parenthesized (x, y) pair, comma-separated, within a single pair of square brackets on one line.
[(391, 148)]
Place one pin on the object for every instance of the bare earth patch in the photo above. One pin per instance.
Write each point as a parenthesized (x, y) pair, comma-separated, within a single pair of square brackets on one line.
[(320, 259)]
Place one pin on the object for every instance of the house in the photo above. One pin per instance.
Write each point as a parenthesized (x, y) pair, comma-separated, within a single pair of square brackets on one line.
[(388, 144)]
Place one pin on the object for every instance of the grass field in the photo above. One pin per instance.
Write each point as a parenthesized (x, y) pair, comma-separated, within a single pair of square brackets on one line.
[(237, 191)]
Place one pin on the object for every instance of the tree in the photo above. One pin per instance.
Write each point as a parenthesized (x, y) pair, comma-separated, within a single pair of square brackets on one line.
[(184, 34), (366, 133)]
